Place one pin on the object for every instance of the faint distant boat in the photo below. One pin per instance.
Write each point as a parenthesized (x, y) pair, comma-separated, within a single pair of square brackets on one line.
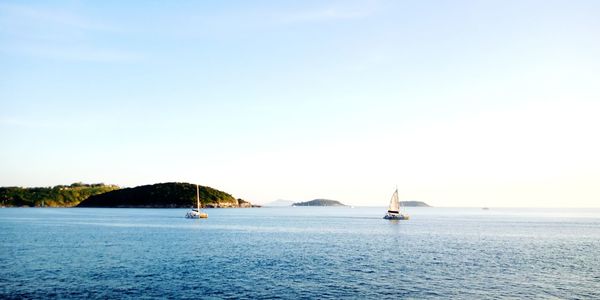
[(196, 213), (393, 212), (485, 208)]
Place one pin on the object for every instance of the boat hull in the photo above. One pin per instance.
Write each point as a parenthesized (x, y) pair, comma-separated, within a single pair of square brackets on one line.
[(196, 215), (396, 217)]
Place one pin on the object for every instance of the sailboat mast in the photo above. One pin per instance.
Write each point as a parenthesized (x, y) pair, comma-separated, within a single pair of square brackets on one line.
[(198, 197)]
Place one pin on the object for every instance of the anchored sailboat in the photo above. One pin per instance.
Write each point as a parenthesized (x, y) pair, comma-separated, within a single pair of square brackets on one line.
[(393, 212), (196, 213)]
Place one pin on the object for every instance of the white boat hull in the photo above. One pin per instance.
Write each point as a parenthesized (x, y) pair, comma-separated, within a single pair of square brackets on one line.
[(396, 217), (196, 215)]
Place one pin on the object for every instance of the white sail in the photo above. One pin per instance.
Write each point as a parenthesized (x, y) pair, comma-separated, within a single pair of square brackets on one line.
[(393, 212), (394, 203)]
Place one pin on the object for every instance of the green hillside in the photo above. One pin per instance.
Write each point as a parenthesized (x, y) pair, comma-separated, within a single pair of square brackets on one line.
[(162, 195), (58, 196)]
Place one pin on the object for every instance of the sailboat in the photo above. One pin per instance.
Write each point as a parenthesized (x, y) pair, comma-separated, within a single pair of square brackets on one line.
[(196, 213), (393, 212)]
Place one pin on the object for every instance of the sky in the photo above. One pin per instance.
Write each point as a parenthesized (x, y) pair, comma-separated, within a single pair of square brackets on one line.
[(456, 103)]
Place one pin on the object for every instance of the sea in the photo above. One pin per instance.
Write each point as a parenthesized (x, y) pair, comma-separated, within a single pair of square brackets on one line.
[(299, 253)]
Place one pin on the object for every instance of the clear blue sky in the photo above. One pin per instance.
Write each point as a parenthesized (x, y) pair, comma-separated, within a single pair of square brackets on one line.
[(459, 103)]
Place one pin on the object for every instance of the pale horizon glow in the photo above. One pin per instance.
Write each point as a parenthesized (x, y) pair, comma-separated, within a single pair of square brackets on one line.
[(458, 103)]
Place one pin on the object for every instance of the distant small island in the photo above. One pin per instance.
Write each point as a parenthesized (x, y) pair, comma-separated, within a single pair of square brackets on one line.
[(319, 202), (414, 204)]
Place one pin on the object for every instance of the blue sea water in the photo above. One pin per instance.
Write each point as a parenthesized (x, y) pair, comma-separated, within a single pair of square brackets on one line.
[(299, 253)]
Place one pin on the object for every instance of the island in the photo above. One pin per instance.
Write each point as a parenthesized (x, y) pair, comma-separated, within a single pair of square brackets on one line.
[(319, 202), (414, 204), (57, 196), (161, 195), (164, 195)]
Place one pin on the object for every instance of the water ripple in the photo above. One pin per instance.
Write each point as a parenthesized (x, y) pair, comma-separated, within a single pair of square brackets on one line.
[(296, 254)]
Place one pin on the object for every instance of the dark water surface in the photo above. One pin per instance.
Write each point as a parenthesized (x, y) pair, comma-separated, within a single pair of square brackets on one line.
[(300, 252)]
